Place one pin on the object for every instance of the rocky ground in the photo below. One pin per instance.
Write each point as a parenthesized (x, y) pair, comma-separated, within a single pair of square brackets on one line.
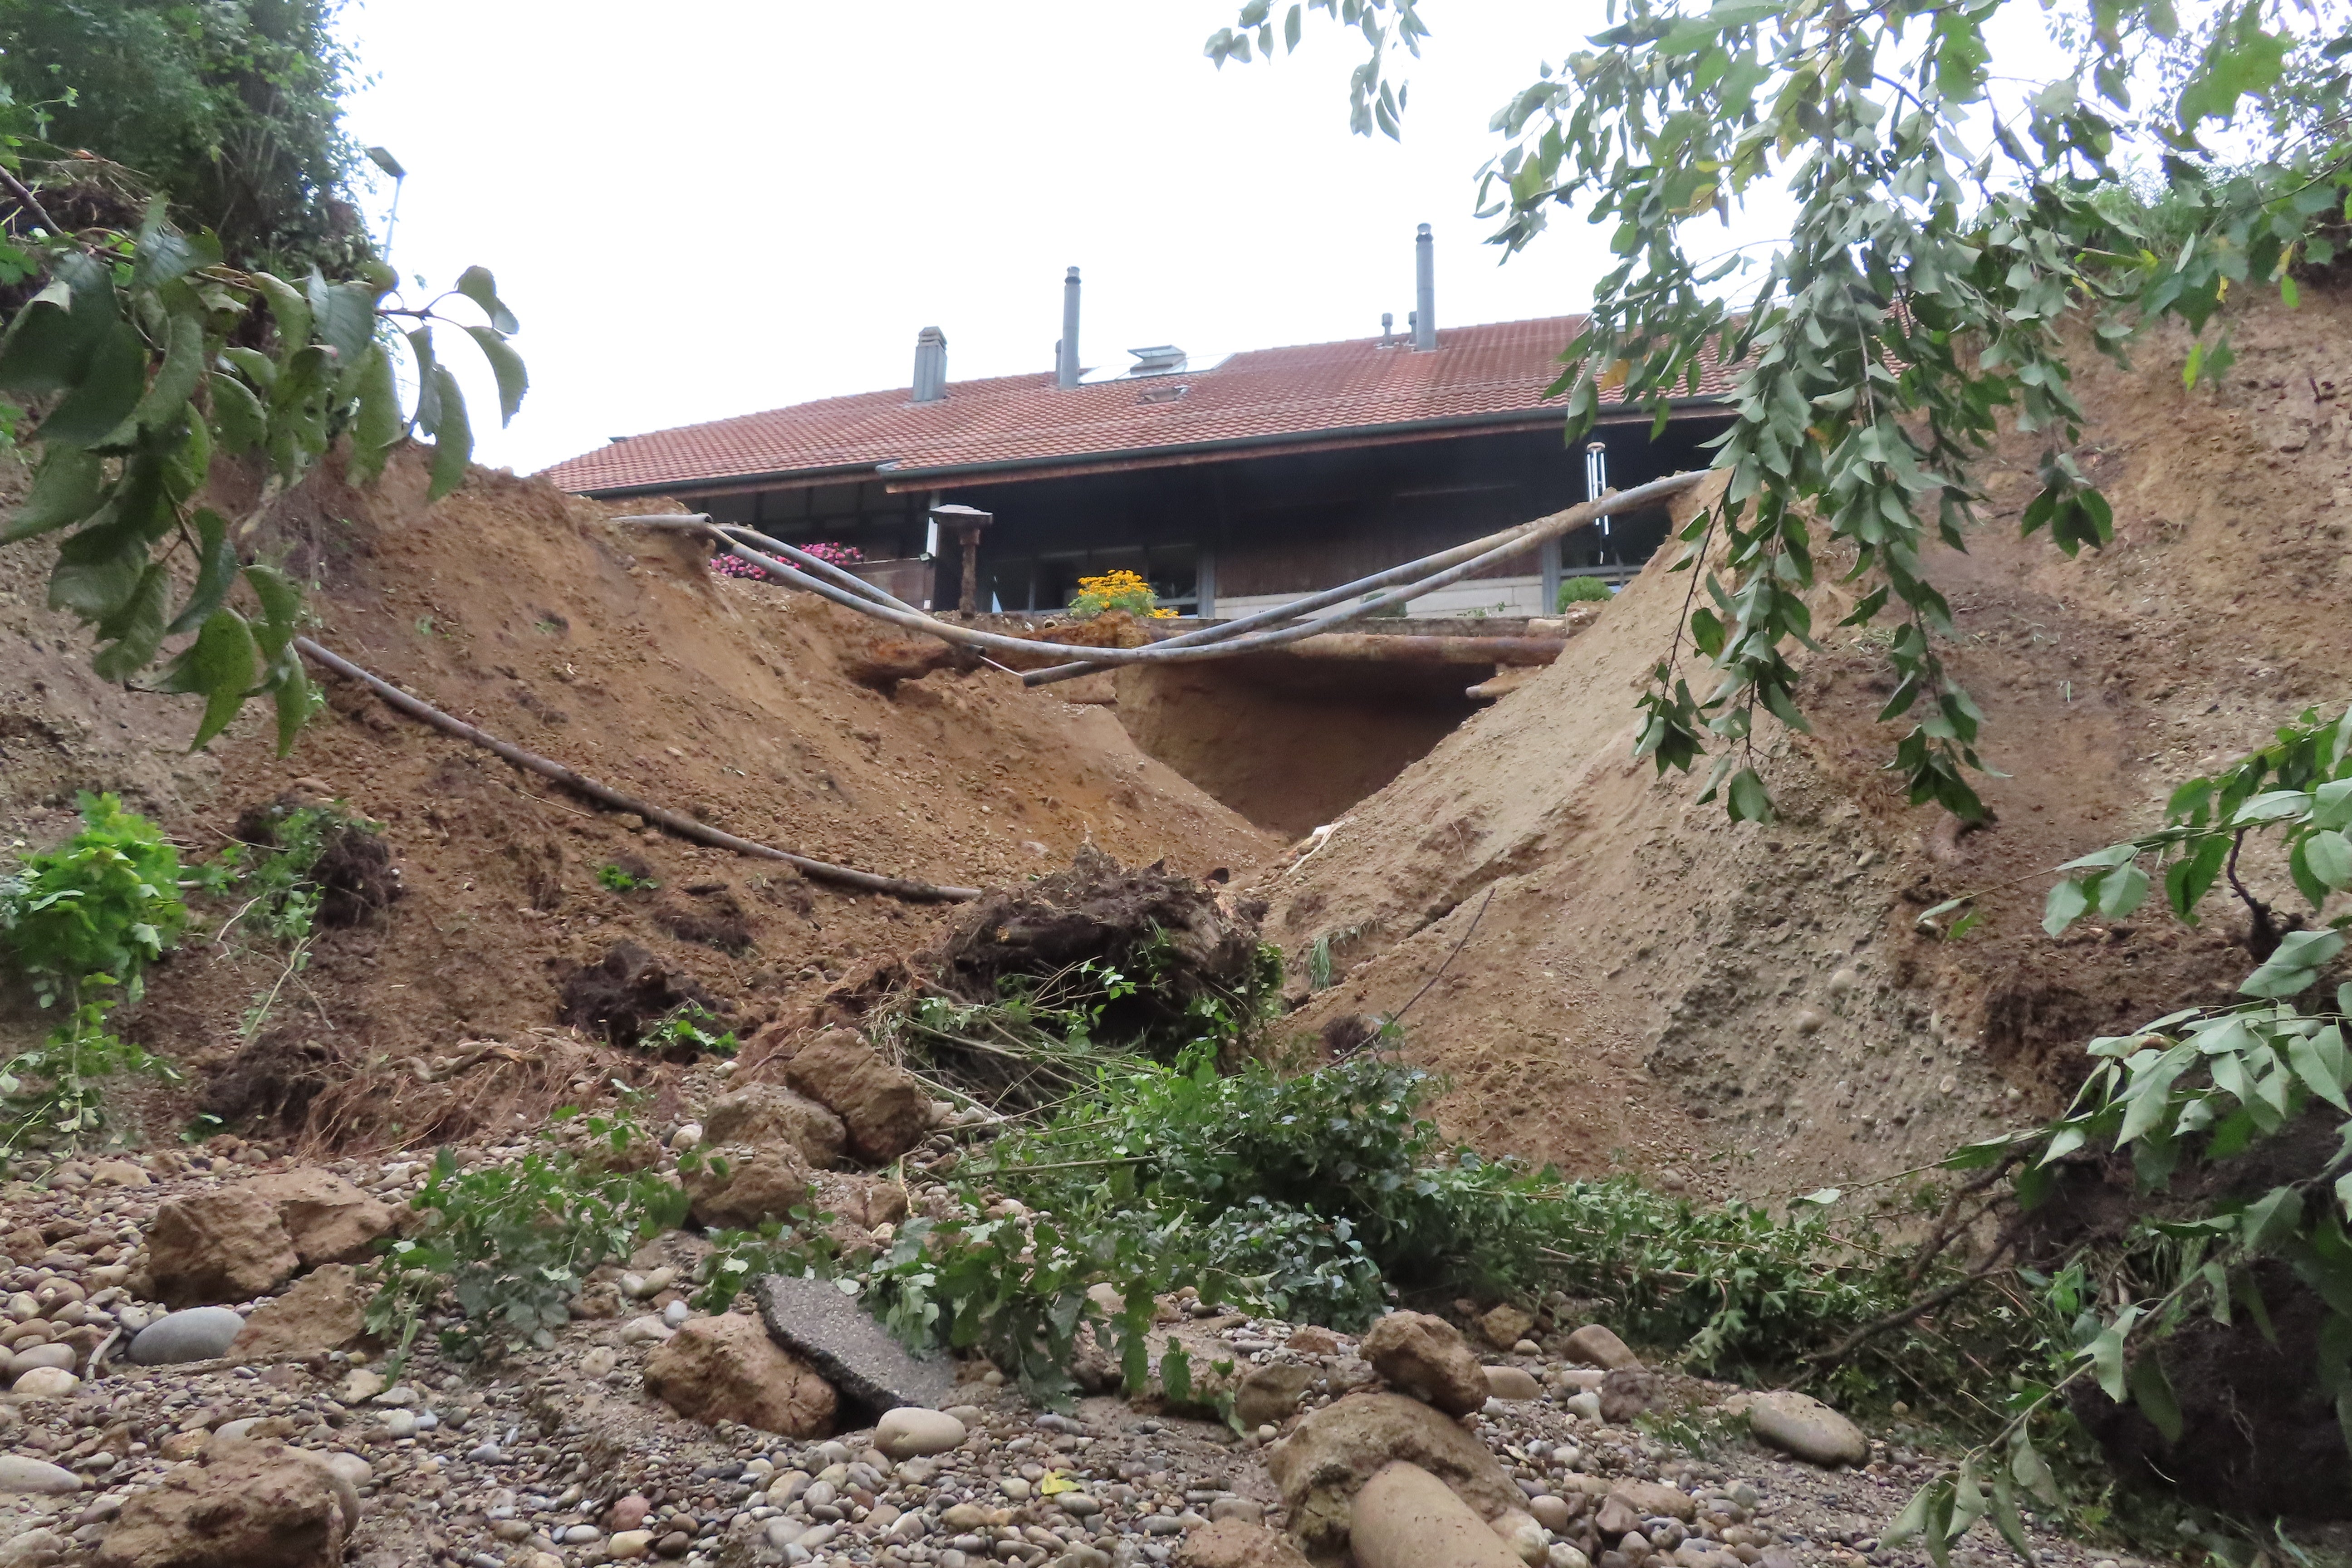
[(284, 1444)]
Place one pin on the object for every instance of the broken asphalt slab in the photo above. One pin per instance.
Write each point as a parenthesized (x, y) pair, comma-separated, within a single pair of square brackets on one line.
[(814, 1320)]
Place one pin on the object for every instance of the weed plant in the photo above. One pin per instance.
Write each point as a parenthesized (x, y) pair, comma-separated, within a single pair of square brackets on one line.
[(1581, 591), (82, 922), (510, 1246)]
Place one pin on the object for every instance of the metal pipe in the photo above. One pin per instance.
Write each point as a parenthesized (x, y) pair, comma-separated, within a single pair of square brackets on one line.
[(1425, 291), (1491, 546), (1065, 368), (1176, 650)]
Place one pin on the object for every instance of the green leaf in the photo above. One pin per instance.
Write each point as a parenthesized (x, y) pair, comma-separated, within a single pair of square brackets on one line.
[(2152, 1392), (2294, 965), (290, 309), (281, 601), (2066, 904), (1747, 801), (49, 342), (2271, 1217), (2106, 1355), (110, 387), (506, 367), (2319, 1059), (215, 573), (136, 628), (162, 253), (2121, 891), (2329, 856), (66, 489), (2005, 1518), (2030, 1469), (453, 439), (221, 663), (97, 580), (343, 315), (476, 284), (378, 425), (237, 413), (2147, 1098), (166, 398), (293, 706)]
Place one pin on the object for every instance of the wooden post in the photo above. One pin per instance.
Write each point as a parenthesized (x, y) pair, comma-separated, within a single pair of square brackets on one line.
[(967, 524)]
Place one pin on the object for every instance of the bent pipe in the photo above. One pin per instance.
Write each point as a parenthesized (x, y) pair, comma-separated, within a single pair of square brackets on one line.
[(1178, 650), (580, 784)]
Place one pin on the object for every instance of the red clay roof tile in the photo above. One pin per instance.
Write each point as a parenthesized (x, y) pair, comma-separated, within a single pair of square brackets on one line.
[(1309, 391)]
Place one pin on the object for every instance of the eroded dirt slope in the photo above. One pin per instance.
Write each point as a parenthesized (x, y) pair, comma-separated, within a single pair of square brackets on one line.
[(614, 650), (1751, 1008)]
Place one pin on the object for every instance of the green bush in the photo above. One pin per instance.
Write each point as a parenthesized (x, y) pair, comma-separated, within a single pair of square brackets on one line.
[(82, 922), (509, 1245), (1581, 591), (98, 909)]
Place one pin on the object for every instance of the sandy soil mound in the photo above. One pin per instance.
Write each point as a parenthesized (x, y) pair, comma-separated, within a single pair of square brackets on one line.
[(616, 651), (1751, 1009)]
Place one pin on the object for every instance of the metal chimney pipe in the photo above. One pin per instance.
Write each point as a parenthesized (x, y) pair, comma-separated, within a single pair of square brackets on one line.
[(1065, 368), (1424, 292), (1388, 328), (930, 365)]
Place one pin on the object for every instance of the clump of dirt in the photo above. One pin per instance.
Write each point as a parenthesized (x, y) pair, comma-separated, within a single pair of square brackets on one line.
[(621, 996), (711, 915), (1753, 1009), (1172, 934), (271, 1083), (354, 873)]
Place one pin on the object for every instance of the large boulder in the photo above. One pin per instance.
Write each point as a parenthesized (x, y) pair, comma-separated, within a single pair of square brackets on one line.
[(330, 1220), (727, 1369), (249, 1505), (326, 1309), (1801, 1424), (227, 1245), (1329, 1455), (1597, 1346), (1428, 1358), (771, 1113), (884, 1109), (740, 1187)]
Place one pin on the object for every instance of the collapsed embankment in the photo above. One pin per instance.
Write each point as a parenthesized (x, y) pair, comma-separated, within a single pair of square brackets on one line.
[(1752, 1008), (614, 650)]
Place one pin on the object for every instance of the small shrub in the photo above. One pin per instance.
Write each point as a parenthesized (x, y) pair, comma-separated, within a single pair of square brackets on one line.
[(620, 880), (277, 866), (83, 921), (692, 1030), (509, 1245), (96, 910), (1116, 590), (1581, 591)]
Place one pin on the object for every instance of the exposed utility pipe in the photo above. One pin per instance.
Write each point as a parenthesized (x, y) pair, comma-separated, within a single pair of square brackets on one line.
[(1425, 291), (1213, 642), (1535, 533), (685, 827), (1065, 365)]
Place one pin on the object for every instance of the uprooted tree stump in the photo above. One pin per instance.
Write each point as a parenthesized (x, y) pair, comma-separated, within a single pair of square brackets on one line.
[(1169, 933)]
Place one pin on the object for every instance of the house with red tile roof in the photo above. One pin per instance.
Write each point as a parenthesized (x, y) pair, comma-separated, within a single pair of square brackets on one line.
[(1229, 484)]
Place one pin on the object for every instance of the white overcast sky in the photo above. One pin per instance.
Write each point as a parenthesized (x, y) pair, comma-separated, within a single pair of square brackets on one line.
[(707, 207)]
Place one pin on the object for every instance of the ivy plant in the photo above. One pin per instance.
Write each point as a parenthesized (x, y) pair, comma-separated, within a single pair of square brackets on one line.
[(1945, 237), (146, 365)]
